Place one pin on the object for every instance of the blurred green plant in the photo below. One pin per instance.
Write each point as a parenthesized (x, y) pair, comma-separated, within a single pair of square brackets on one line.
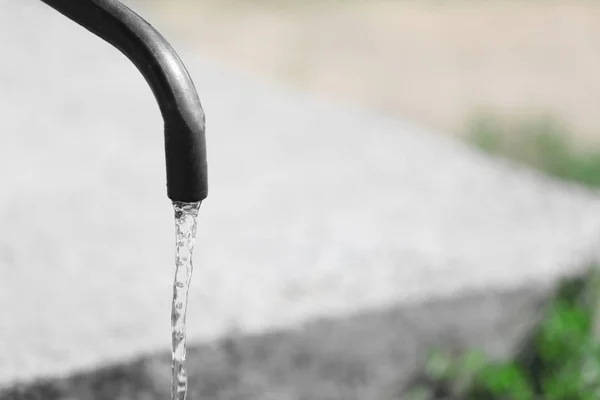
[(539, 141), (560, 361)]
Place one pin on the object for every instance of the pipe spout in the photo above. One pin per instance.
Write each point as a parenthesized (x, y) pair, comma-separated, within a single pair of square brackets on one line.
[(171, 84)]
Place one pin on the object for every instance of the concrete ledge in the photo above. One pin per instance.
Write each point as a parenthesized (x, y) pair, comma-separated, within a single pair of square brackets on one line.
[(370, 355)]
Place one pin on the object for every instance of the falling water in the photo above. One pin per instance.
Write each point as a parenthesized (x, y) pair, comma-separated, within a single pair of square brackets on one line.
[(186, 219)]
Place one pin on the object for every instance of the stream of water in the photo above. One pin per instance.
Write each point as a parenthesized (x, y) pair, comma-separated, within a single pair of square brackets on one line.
[(186, 220)]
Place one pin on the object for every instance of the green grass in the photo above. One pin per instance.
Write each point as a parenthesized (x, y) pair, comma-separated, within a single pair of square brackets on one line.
[(539, 141), (561, 359)]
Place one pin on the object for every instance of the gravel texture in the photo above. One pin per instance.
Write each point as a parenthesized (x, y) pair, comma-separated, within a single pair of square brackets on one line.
[(315, 211)]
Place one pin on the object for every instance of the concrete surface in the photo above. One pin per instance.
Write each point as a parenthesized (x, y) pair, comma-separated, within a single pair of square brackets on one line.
[(372, 355), (315, 210)]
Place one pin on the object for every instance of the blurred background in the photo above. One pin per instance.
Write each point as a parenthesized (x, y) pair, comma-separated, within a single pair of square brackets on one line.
[(516, 82), (435, 62)]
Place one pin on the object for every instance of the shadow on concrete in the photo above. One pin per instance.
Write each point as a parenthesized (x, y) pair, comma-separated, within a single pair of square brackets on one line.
[(372, 355)]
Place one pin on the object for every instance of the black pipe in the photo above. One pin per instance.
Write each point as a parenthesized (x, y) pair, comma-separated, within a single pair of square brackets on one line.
[(185, 145)]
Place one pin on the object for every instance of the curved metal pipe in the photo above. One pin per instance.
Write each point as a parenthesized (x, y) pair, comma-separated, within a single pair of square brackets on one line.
[(185, 146)]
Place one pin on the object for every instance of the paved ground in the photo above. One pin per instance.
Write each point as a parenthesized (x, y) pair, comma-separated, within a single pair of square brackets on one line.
[(315, 210)]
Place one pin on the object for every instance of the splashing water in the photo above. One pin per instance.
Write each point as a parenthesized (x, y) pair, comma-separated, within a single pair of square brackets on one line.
[(186, 219)]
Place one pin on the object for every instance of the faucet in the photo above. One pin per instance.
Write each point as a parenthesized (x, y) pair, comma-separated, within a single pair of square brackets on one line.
[(171, 84)]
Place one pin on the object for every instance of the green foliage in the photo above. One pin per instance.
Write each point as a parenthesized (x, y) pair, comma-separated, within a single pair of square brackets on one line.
[(562, 362), (538, 141)]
